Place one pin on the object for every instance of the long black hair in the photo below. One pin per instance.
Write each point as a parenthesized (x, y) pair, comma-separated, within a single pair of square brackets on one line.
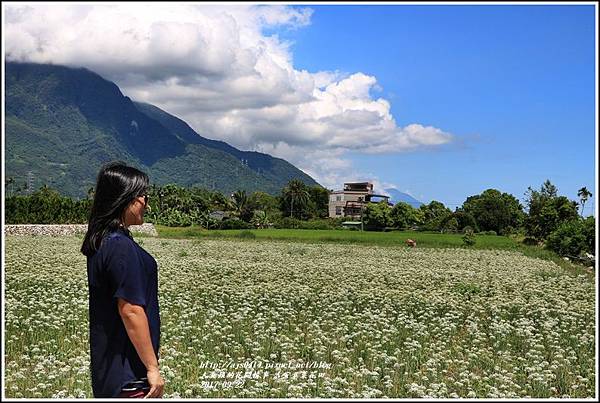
[(116, 186)]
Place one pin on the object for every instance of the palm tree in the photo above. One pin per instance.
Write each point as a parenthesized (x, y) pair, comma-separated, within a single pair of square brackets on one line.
[(239, 202), (218, 201), (584, 195), (296, 191)]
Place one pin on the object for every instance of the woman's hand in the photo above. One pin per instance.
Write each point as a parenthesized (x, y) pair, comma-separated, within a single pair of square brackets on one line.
[(157, 383)]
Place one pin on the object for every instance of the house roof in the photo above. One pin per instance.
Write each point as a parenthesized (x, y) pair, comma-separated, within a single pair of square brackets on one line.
[(350, 191)]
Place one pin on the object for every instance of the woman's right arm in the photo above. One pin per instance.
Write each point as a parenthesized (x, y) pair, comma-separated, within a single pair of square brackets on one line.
[(136, 324)]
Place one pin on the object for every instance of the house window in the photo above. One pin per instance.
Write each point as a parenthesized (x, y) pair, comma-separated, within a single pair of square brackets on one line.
[(338, 198), (338, 210)]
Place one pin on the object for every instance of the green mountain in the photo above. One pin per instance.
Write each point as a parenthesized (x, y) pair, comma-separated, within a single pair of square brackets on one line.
[(63, 123)]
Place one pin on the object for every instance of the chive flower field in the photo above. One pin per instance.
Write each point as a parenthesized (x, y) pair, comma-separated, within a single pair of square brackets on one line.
[(251, 319)]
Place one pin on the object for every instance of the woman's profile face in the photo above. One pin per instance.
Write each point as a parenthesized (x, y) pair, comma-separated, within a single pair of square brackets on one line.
[(134, 213)]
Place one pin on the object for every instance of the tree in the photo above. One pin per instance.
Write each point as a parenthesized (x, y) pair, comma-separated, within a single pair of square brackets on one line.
[(46, 206), (218, 201), (494, 210), (260, 219), (589, 229), (584, 195), (403, 215), (318, 203), (573, 238), (175, 205), (556, 211), (548, 190), (206, 221), (450, 225), (296, 192), (546, 210), (377, 215), (241, 205), (434, 215), (264, 201), (464, 219)]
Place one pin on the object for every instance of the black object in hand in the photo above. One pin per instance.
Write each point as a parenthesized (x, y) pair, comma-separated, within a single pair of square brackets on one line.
[(138, 384)]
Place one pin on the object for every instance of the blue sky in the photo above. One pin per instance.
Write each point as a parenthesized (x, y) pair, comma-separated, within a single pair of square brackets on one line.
[(514, 84)]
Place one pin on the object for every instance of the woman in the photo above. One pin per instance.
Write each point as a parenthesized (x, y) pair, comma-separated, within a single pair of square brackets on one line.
[(123, 289)]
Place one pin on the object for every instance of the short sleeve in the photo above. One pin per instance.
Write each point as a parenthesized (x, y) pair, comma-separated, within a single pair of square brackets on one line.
[(128, 279)]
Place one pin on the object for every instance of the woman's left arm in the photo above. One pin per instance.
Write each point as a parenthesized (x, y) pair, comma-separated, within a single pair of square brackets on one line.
[(136, 324)]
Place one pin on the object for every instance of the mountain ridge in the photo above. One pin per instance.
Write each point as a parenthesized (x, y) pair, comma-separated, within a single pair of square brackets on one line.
[(398, 196), (62, 123)]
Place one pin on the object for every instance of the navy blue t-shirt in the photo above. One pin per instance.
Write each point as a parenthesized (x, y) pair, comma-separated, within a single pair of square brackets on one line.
[(120, 268)]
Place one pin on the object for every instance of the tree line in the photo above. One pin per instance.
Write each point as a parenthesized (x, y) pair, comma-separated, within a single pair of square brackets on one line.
[(173, 205), (546, 217)]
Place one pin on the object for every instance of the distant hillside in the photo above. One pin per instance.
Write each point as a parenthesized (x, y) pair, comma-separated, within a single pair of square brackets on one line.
[(63, 123), (274, 169), (397, 196)]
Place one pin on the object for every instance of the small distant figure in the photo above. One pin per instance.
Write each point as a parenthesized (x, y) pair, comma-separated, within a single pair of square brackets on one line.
[(411, 243)]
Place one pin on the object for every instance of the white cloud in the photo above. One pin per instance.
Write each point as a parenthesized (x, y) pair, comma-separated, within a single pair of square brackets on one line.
[(214, 67)]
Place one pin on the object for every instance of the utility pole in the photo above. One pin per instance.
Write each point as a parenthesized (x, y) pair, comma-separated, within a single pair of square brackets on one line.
[(30, 179), (360, 199)]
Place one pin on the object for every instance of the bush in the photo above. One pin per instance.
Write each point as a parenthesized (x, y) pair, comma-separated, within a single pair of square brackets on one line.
[(174, 218), (467, 229), (46, 206), (450, 226), (589, 229), (287, 222), (464, 220), (531, 241), (321, 224), (260, 219), (469, 237), (234, 223), (246, 235), (573, 238)]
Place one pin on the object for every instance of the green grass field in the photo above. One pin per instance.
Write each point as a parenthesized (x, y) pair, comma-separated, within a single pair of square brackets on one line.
[(393, 239)]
